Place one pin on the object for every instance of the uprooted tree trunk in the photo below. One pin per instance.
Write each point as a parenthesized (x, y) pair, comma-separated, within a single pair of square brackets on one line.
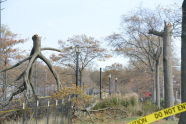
[(27, 73), (167, 64)]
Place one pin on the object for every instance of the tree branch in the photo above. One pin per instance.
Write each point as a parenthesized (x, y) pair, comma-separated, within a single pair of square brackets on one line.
[(157, 33), (53, 49), (18, 90), (51, 69), (6, 69), (27, 74)]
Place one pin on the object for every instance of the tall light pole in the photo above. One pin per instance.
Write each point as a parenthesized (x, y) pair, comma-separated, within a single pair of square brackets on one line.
[(163, 92), (77, 50), (100, 86), (116, 80), (110, 83)]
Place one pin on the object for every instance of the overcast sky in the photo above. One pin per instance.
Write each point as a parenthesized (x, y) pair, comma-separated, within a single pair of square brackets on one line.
[(59, 19)]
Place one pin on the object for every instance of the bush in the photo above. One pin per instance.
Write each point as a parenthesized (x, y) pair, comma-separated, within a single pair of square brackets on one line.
[(116, 101), (128, 102)]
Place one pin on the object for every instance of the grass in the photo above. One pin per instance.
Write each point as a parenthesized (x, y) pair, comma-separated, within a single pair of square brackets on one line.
[(158, 122), (126, 120), (51, 120)]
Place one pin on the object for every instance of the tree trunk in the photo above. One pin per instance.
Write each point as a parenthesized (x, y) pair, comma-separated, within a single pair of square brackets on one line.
[(167, 66), (4, 85), (183, 62), (157, 84), (154, 88), (5, 80), (167, 63)]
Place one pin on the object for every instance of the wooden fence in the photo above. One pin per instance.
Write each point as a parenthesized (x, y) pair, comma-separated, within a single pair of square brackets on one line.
[(42, 111)]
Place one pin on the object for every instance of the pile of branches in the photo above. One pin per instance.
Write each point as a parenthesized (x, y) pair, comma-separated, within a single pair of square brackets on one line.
[(99, 115)]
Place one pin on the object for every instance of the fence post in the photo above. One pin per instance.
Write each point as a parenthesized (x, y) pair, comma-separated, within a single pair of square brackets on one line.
[(62, 111), (48, 112), (70, 112), (24, 113), (62, 102), (56, 110), (37, 104)]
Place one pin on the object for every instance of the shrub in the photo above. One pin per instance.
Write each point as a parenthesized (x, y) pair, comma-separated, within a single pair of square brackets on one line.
[(117, 101)]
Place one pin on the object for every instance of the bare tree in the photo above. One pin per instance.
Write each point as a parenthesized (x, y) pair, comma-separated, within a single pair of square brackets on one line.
[(8, 51), (183, 62), (27, 73), (136, 42), (143, 50), (90, 50)]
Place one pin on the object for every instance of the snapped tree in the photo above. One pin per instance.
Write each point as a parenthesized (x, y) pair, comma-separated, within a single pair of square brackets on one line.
[(166, 34)]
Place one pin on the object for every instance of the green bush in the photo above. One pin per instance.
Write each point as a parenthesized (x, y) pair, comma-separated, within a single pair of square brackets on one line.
[(116, 101), (128, 103)]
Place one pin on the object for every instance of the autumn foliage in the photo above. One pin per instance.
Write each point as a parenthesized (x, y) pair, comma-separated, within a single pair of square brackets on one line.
[(75, 94)]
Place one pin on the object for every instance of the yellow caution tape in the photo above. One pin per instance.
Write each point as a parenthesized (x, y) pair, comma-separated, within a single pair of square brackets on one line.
[(160, 114), (12, 110)]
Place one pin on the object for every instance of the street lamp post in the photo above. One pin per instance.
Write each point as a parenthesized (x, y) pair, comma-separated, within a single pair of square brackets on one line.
[(77, 50), (116, 80), (109, 84), (100, 86)]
